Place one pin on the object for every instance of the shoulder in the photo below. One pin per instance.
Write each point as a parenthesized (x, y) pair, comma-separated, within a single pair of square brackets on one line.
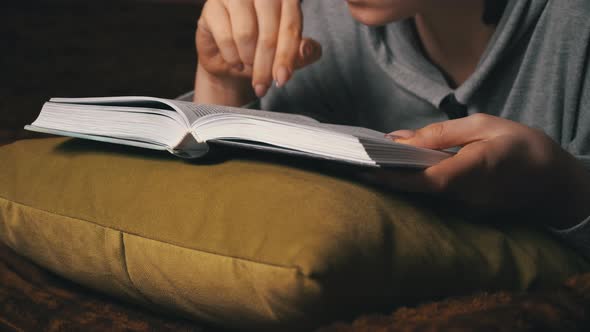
[(570, 8), (568, 16), (564, 26)]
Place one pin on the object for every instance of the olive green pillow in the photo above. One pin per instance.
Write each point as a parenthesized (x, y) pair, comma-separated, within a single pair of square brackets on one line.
[(249, 243)]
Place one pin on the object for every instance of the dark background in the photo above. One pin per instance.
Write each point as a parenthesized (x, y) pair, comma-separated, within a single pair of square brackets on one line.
[(61, 48)]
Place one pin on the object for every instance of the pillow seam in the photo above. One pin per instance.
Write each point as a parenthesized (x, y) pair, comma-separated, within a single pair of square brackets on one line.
[(296, 268)]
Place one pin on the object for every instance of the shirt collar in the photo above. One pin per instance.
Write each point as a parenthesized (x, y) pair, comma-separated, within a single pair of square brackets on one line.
[(397, 50)]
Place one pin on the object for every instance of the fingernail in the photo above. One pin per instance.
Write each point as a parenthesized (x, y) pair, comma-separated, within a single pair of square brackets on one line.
[(401, 134), (304, 49), (260, 90), (392, 137), (307, 50), (282, 76)]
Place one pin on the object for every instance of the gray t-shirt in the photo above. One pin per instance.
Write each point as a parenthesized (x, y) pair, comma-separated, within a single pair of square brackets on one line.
[(534, 71)]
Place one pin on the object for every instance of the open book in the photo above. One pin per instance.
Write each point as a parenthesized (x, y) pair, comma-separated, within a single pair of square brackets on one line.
[(185, 128)]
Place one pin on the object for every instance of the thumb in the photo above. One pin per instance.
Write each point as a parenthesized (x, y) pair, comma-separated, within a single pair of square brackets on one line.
[(442, 135), (310, 51)]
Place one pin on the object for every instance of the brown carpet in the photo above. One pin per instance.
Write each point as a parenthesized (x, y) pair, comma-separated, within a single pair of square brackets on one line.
[(566, 309)]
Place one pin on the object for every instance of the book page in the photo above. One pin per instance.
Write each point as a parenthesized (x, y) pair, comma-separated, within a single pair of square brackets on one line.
[(196, 111), (359, 132), (131, 101), (191, 112), (131, 123)]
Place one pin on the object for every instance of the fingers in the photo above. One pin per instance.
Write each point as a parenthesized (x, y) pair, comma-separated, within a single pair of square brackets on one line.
[(256, 39), (279, 48), (310, 51), (221, 30), (445, 177), (451, 173), (207, 49), (452, 133), (244, 28), (268, 14), (289, 41)]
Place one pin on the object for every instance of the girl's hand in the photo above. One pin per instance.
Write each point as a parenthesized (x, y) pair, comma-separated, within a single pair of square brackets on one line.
[(248, 44), (503, 166)]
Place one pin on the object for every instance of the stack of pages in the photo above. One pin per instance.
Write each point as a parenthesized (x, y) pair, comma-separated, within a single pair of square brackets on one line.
[(185, 129)]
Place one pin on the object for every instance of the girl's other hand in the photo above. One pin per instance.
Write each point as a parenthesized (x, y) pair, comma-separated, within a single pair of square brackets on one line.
[(503, 166)]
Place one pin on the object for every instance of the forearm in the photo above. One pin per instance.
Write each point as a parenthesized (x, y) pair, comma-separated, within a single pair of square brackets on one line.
[(230, 92)]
